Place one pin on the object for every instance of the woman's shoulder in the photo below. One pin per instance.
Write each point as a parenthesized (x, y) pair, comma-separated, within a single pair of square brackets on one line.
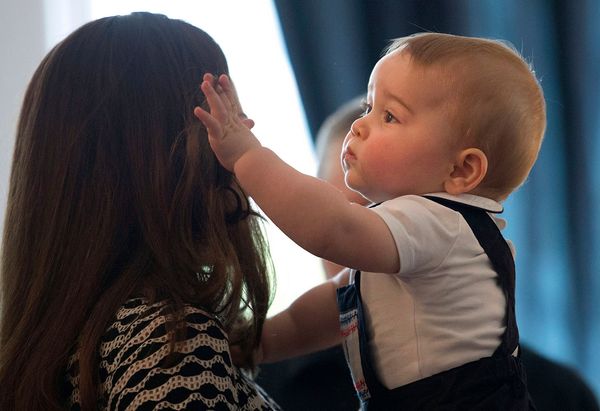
[(142, 331), (138, 322), (141, 369), (144, 370)]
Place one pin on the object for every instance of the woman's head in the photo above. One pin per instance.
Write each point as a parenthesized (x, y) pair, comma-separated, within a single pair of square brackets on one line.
[(496, 103), (114, 191)]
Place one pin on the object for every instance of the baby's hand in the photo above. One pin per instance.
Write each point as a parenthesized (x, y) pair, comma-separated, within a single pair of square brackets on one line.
[(228, 127)]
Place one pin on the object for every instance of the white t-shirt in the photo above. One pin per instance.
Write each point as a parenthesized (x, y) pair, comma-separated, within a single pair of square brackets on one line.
[(444, 307)]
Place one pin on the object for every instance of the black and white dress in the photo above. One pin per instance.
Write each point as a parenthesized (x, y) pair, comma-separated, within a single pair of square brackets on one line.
[(135, 373)]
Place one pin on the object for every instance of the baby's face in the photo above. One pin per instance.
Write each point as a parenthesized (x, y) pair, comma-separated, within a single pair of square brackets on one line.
[(402, 145)]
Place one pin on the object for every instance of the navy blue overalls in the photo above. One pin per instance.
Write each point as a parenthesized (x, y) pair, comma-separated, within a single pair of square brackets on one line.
[(493, 383)]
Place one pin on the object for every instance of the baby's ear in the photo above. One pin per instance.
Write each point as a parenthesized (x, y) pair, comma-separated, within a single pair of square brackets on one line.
[(469, 170)]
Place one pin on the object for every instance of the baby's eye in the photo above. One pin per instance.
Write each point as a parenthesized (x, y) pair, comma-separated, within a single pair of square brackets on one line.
[(389, 117)]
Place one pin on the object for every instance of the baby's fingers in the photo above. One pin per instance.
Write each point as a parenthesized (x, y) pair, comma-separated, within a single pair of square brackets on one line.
[(217, 108), (212, 125), (230, 91)]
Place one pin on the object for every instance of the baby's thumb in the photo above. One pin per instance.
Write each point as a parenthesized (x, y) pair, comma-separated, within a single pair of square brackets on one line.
[(248, 122)]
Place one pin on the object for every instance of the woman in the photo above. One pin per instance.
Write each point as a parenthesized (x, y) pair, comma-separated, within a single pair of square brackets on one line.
[(131, 258)]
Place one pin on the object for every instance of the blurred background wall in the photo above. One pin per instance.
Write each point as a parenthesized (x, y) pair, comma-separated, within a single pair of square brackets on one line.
[(21, 48)]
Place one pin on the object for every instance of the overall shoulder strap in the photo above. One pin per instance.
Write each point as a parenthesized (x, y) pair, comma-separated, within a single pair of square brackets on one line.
[(495, 246)]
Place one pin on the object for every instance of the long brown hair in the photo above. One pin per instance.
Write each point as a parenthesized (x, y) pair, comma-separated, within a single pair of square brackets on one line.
[(114, 192)]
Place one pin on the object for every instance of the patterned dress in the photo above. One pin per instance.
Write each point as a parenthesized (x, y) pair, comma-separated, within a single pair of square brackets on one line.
[(135, 373)]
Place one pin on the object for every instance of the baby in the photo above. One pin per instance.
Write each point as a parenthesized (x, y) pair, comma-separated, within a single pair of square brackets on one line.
[(452, 126)]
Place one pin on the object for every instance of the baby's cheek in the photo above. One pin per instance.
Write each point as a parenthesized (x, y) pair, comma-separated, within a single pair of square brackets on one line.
[(382, 160)]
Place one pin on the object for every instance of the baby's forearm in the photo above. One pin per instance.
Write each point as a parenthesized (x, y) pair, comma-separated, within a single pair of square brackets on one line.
[(310, 324), (310, 211)]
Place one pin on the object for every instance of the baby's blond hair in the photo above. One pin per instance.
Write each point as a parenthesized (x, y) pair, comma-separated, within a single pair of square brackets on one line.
[(497, 104)]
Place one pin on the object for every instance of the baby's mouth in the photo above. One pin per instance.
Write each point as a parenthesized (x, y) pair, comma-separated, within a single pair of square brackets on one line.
[(349, 154), (348, 157)]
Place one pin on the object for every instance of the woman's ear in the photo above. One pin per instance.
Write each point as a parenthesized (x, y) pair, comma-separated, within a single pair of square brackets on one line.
[(469, 170)]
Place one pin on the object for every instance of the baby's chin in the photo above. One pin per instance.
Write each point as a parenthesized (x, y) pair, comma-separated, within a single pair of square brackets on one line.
[(367, 198), (356, 197)]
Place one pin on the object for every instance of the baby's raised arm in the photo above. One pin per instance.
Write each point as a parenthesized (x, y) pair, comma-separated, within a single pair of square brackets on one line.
[(312, 212)]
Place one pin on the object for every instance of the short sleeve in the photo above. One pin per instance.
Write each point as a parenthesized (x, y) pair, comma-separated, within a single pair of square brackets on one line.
[(424, 231)]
